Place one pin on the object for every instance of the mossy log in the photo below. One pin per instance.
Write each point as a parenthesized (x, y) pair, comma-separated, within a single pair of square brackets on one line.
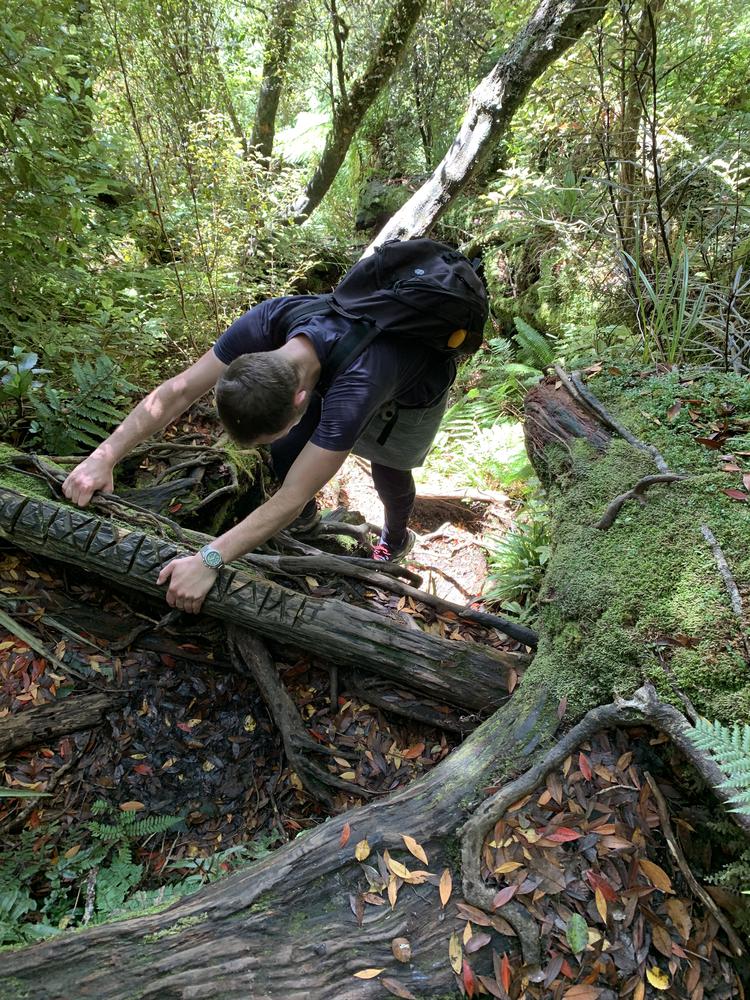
[(460, 673)]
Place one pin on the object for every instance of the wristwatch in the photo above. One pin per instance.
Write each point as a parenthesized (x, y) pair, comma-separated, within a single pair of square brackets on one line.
[(211, 557)]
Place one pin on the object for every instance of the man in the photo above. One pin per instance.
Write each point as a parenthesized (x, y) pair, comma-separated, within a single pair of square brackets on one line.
[(271, 389)]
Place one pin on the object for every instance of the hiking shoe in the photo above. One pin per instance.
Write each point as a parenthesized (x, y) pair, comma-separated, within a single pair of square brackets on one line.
[(384, 552), (307, 521)]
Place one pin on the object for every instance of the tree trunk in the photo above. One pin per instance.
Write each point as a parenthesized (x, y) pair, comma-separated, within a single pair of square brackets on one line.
[(635, 87), (49, 722), (553, 28), (459, 673), (351, 107), (278, 44)]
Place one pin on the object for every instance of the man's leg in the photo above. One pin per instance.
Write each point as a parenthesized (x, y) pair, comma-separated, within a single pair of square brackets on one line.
[(397, 493)]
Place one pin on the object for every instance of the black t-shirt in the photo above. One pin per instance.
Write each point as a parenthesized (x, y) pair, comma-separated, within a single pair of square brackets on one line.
[(390, 369)]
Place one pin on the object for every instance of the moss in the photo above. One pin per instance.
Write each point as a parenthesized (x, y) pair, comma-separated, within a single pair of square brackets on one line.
[(13, 989), (618, 603), (177, 928)]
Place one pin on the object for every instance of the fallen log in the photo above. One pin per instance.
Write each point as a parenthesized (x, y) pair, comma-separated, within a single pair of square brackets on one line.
[(459, 673), (47, 723)]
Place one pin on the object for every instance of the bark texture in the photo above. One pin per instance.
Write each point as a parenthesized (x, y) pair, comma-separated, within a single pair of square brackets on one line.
[(275, 55), (553, 28), (460, 673), (50, 722), (352, 104)]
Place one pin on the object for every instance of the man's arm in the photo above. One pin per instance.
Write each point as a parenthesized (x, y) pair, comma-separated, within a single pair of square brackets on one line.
[(190, 579), (153, 413)]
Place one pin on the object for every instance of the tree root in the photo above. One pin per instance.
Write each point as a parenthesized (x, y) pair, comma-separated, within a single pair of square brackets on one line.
[(696, 887), (643, 706), (581, 394), (249, 653), (638, 492)]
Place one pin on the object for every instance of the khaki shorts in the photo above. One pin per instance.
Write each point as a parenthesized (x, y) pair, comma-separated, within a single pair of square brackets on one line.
[(410, 439)]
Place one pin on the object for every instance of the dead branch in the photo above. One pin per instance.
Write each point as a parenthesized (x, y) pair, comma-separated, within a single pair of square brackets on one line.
[(638, 492), (582, 395)]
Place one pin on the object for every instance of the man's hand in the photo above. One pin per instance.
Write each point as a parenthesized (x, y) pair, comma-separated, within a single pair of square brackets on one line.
[(95, 473), (189, 582)]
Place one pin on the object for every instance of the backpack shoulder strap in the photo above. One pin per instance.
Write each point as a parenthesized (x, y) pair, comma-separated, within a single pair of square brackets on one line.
[(355, 341)]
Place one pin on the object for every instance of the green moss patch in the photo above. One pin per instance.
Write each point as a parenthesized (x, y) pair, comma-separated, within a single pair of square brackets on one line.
[(645, 598)]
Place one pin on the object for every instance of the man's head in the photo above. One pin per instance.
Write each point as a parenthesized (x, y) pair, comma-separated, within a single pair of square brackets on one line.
[(259, 398)]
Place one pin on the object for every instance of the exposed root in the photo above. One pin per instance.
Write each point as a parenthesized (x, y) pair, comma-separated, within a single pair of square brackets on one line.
[(638, 492), (250, 653)]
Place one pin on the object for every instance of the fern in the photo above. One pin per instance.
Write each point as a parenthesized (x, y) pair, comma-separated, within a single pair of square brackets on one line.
[(731, 749), (80, 417)]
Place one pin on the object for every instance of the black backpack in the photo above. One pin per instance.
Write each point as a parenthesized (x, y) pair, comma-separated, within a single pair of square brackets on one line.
[(416, 289)]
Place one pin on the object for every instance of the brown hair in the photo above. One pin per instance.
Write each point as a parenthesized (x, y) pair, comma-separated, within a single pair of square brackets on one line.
[(255, 396)]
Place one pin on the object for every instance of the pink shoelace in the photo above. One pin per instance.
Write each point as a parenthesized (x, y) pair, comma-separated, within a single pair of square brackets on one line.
[(382, 552)]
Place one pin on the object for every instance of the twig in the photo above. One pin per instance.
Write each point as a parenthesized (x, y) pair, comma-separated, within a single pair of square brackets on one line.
[(14, 823), (637, 493), (581, 394), (90, 894), (20, 632), (723, 567), (695, 886)]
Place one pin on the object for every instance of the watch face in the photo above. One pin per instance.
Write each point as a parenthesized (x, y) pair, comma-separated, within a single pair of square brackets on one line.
[(212, 558)]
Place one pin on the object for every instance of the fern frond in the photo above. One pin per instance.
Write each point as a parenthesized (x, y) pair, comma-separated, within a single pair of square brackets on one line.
[(731, 750)]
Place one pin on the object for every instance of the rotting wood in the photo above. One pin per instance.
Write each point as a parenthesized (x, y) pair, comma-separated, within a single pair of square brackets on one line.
[(47, 723), (462, 674)]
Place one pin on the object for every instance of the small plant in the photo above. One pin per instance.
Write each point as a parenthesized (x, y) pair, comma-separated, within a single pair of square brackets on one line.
[(731, 749), (670, 307), (19, 382), (43, 890), (68, 420), (517, 562)]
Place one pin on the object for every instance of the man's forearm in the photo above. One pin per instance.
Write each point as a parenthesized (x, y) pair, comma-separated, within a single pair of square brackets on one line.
[(152, 414), (258, 527)]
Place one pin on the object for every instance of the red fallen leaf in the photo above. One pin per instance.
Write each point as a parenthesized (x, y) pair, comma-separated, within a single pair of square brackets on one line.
[(469, 981), (564, 834), (345, 835), (674, 409), (143, 769), (737, 494), (504, 896), (416, 751), (567, 970), (585, 766), (183, 726), (597, 881), (506, 974), (167, 660)]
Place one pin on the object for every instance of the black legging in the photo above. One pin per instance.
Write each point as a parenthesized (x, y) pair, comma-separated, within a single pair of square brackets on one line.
[(395, 487)]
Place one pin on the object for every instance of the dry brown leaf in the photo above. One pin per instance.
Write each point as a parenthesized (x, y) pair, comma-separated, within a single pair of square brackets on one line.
[(662, 941), (414, 848), (362, 850), (131, 806), (678, 914), (397, 989), (455, 953), (582, 992), (640, 991), (446, 887), (392, 891), (397, 868), (507, 866), (467, 933), (367, 973), (656, 875), (601, 904)]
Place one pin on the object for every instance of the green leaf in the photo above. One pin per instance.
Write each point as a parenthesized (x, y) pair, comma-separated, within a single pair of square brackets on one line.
[(577, 933)]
